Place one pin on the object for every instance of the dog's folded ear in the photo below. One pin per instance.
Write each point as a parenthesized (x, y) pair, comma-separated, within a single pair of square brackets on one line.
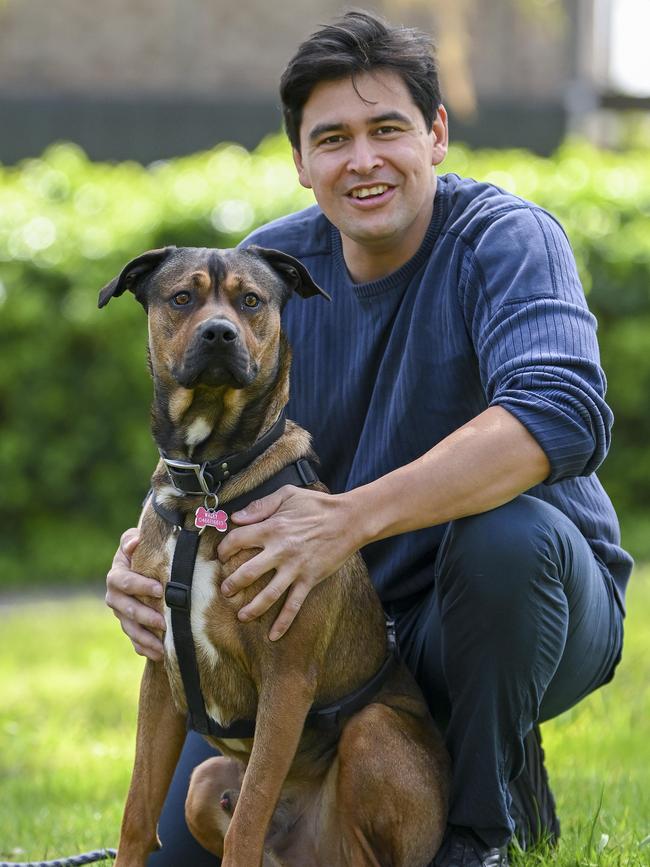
[(132, 275), (293, 272)]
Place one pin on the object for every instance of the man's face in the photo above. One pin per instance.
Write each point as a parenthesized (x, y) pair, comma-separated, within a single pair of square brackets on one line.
[(368, 157)]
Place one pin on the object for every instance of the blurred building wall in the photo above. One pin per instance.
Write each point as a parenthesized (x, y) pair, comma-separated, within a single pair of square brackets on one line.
[(148, 79)]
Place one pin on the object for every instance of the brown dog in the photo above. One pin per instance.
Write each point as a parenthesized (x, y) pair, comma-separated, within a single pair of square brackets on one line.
[(368, 788)]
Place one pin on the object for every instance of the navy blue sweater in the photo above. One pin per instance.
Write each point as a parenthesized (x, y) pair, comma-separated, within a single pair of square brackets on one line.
[(489, 312)]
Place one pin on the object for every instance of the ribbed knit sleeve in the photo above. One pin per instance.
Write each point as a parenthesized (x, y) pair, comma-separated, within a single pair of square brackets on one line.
[(535, 338)]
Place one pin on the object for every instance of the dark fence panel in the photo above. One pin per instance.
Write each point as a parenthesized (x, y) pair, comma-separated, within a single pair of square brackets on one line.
[(152, 128)]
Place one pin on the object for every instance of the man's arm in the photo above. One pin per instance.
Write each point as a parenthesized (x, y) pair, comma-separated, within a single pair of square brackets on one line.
[(306, 535)]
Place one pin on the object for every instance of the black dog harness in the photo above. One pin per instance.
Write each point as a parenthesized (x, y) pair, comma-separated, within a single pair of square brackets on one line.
[(208, 477)]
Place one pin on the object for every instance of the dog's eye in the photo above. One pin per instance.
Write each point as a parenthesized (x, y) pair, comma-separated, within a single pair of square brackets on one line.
[(251, 300), (180, 299)]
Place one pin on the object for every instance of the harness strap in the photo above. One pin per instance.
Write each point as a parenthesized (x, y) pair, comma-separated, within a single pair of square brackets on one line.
[(178, 597), (327, 718)]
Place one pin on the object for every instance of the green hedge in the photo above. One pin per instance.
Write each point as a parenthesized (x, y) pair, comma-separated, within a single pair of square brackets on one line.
[(75, 451)]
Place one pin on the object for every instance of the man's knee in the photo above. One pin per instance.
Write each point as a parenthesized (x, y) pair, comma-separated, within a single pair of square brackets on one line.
[(494, 558)]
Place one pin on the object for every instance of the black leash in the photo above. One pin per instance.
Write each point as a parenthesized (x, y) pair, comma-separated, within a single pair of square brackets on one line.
[(86, 858)]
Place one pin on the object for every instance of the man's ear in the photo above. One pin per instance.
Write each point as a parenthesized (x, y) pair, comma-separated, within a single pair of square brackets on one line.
[(293, 272), (440, 136), (303, 174), (132, 276)]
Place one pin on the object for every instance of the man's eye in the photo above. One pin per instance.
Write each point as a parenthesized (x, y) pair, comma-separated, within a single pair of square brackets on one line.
[(332, 139), (386, 130), (180, 299), (251, 300)]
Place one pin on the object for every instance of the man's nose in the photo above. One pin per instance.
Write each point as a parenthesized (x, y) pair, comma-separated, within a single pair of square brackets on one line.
[(364, 157)]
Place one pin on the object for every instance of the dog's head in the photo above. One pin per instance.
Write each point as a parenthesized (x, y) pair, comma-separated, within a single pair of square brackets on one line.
[(214, 315)]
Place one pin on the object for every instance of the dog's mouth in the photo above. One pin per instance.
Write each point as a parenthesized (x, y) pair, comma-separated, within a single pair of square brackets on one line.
[(200, 367)]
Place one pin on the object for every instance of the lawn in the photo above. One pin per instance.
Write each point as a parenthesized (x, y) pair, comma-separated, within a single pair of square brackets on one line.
[(69, 692)]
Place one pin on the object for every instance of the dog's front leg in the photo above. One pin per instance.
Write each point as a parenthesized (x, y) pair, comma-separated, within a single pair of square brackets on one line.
[(283, 704), (159, 740)]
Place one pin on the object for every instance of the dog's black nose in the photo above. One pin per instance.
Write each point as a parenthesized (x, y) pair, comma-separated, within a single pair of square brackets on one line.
[(218, 331)]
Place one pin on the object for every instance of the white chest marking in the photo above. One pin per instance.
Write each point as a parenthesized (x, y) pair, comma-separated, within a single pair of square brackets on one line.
[(204, 590), (167, 493), (170, 650), (197, 432)]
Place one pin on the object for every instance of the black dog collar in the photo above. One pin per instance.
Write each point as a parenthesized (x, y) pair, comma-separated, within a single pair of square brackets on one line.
[(300, 473), (207, 477)]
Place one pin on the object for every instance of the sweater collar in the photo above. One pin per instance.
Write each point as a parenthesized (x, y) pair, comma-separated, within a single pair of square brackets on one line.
[(399, 278)]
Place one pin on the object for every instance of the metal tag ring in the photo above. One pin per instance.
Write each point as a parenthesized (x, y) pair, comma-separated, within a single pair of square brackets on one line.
[(206, 500)]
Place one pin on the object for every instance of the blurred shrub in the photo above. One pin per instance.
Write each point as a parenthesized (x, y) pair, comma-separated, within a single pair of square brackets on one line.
[(75, 450)]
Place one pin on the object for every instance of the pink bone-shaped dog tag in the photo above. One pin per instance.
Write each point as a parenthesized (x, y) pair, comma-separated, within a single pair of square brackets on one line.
[(210, 518)]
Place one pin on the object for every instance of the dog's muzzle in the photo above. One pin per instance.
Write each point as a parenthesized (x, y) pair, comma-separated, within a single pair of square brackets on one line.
[(216, 356)]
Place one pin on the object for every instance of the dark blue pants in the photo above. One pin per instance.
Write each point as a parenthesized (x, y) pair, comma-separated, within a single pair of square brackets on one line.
[(519, 625)]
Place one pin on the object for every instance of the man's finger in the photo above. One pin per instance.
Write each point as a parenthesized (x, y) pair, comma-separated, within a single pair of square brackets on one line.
[(153, 655), (260, 510), (241, 539), (126, 608), (145, 643), (246, 574), (133, 584), (129, 536), (290, 609), (266, 598), (130, 544)]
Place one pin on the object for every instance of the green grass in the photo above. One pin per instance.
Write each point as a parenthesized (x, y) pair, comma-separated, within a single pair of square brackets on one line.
[(69, 685)]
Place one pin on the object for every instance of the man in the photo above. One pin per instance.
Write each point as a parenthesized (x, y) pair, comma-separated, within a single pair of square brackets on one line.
[(457, 404)]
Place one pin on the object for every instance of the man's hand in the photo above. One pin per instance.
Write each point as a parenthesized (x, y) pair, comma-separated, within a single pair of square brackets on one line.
[(122, 586), (305, 536)]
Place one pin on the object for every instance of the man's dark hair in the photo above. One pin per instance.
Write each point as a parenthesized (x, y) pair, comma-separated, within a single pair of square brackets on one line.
[(359, 42)]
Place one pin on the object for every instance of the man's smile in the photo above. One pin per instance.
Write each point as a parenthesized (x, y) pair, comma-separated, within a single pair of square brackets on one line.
[(364, 192), (371, 195)]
